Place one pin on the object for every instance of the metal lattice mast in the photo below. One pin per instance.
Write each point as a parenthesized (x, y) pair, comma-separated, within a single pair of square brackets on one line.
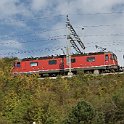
[(74, 38)]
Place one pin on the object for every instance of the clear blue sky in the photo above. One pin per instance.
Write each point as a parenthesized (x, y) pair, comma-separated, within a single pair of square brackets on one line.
[(37, 27)]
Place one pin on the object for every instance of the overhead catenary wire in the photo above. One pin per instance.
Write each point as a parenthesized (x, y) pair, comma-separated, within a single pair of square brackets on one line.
[(42, 50), (13, 34), (31, 41), (60, 15), (61, 37), (33, 51), (32, 33), (34, 18)]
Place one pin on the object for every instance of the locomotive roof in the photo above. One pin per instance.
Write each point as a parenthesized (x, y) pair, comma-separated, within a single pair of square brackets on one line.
[(62, 56)]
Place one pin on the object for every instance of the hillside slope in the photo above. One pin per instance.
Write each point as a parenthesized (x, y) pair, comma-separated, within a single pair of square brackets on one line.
[(83, 99)]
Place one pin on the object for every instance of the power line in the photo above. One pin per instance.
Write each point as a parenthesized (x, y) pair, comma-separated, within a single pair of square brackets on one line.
[(60, 37), (116, 34), (32, 40), (59, 15), (29, 19), (99, 13), (103, 35), (40, 50), (94, 42), (101, 25), (34, 33), (33, 51), (52, 30)]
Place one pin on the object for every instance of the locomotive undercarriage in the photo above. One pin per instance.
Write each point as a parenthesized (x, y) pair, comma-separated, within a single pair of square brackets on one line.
[(93, 70)]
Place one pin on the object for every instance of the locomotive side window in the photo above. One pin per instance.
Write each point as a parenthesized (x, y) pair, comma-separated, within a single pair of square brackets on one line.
[(52, 62), (32, 64), (90, 59), (73, 60), (18, 64), (106, 57)]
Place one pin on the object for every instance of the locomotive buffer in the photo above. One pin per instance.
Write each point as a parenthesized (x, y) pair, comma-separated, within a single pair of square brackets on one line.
[(72, 40)]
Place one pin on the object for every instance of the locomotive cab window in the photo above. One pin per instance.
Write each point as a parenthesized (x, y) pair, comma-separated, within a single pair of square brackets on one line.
[(90, 59), (33, 64), (73, 60), (106, 57), (52, 62), (114, 57), (18, 64)]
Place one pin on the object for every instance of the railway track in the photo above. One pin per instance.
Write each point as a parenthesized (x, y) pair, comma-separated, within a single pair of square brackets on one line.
[(86, 74)]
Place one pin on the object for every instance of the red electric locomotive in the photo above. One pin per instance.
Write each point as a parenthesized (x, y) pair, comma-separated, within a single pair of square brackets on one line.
[(91, 62)]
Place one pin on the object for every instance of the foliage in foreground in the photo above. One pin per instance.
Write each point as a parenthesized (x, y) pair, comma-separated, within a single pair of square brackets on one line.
[(83, 99)]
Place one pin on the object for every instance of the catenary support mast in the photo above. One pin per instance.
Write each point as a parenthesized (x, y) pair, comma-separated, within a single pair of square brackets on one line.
[(72, 40), (68, 55)]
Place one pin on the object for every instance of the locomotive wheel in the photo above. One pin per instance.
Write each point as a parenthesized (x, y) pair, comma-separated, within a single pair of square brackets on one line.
[(96, 72)]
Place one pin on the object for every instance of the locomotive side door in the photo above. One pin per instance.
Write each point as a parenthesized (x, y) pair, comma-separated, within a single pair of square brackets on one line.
[(106, 59), (61, 65)]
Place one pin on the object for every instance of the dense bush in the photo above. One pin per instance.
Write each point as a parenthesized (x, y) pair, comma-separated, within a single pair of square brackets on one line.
[(82, 113)]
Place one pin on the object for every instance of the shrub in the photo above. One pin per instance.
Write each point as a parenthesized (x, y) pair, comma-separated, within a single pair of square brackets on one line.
[(82, 113)]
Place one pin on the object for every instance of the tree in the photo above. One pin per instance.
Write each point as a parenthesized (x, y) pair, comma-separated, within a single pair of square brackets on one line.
[(82, 113)]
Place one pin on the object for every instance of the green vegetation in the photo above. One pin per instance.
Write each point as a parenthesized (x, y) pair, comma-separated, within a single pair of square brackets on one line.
[(82, 99)]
